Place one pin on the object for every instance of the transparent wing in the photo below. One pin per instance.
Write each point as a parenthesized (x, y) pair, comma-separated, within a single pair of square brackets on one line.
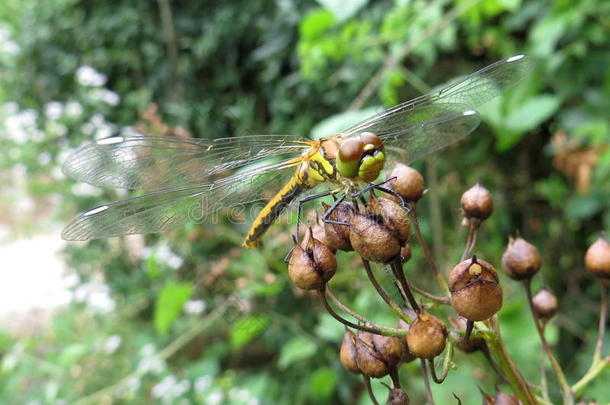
[(465, 93), (415, 142), (168, 209), (164, 162)]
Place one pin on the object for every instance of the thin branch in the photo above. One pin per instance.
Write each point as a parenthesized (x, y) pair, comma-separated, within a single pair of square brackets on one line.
[(424, 371), (446, 364), (369, 327), (568, 395), (400, 275), (344, 307), (369, 389), (603, 314), (393, 305), (473, 227), (431, 297)]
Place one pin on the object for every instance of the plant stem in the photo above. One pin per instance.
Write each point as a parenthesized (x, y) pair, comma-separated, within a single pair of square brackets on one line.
[(513, 375), (446, 364), (431, 297), (369, 389), (598, 364), (344, 307), (568, 395), (393, 305), (400, 275), (603, 313), (473, 227), (427, 254), (424, 371), (369, 327)]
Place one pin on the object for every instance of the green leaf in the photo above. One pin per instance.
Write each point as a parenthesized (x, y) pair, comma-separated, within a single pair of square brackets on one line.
[(169, 304), (316, 23), (341, 122), (322, 382), (342, 9), (298, 348), (247, 328), (582, 207)]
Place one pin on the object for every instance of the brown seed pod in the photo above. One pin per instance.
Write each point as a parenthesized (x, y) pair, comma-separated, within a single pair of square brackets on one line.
[(397, 396), (347, 354), (467, 346), (312, 265), (597, 258), (521, 260), (369, 361), (387, 348), (545, 304), (338, 235), (475, 293), (427, 336), (372, 240), (477, 203), (318, 232), (392, 215), (409, 183)]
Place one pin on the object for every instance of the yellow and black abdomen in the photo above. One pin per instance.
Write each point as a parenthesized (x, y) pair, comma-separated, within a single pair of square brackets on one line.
[(274, 208)]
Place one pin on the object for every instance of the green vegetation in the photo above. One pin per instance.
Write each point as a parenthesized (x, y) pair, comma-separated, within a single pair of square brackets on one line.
[(189, 316)]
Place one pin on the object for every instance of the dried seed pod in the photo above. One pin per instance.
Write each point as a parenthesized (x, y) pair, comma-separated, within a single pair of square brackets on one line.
[(409, 183), (467, 346), (372, 240), (397, 396), (338, 235), (392, 215), (407, 356), (387, 348), (318, 232), (475, 293), (597, 258), (521, 260), (427, 336), (347, 354), (369, 361), (312, 265), (477, 203), (545, 304)]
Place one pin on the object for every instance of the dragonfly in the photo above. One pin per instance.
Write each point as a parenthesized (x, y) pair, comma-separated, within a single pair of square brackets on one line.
[(194, 179)]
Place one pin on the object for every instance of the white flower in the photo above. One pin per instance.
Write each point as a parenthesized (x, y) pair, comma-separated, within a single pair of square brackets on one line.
[(73, 109), (53, 110), (88, 76), (44, 158), (194, 306), (202, 383), (215, 398), (86, 190), (164, 387), (111, 98), (112, 344)]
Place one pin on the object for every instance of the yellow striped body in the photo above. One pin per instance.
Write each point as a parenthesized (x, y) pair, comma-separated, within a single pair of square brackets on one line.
[(318, 165)]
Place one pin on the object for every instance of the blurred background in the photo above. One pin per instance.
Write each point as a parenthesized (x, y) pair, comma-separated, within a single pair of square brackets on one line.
[(190, 317)]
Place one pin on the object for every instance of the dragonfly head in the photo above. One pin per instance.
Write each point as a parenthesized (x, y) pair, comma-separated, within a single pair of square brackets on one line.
[(361, 157)]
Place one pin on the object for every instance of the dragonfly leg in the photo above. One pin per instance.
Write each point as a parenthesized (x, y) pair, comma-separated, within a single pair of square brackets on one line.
[(299, 207), (379, 186), (330, 211)]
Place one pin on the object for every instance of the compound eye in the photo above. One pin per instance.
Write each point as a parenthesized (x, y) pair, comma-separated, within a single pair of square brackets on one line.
[(370, 138), (351, 150)]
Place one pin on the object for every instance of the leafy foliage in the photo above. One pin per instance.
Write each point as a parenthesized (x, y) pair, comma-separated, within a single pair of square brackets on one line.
[(73, 70)]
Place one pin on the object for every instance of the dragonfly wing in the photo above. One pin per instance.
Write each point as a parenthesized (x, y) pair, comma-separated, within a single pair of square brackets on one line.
[(165, 162), (412, 143), (168, 209), (470, 91)]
